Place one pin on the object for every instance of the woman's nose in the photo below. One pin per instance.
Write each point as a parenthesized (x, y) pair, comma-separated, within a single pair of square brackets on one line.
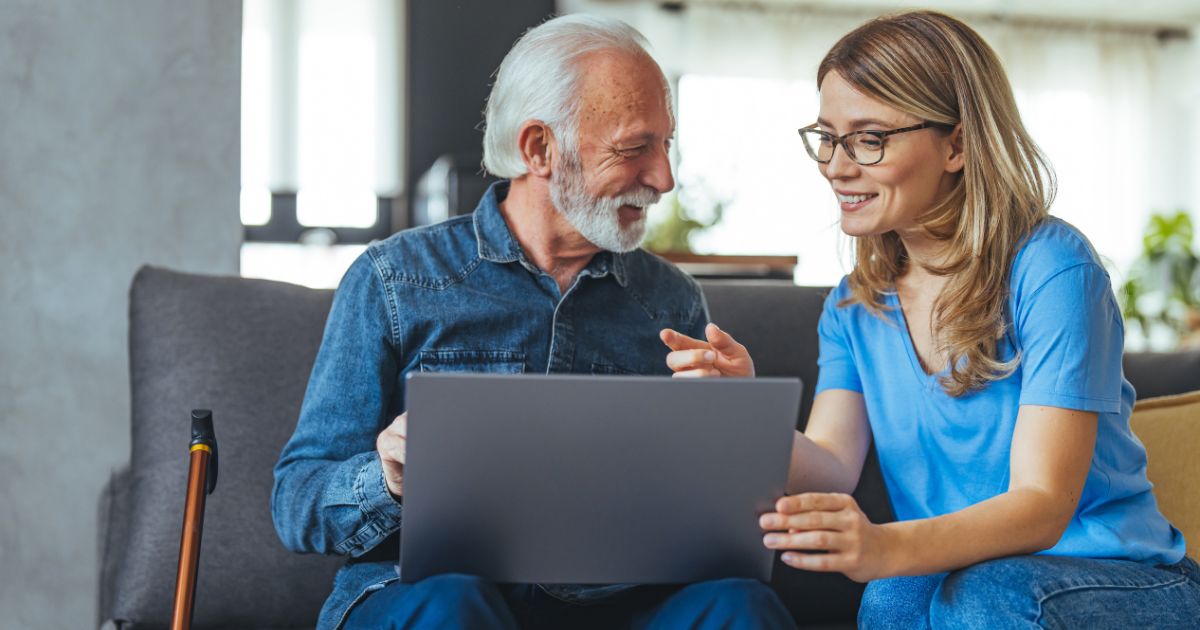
[(840, 165)]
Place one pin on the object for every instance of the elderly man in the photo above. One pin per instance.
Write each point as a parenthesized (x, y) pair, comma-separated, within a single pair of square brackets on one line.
[(546, 276)]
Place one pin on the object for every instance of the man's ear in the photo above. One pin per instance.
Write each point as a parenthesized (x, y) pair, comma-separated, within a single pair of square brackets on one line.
[(956, 161), (537, 145)]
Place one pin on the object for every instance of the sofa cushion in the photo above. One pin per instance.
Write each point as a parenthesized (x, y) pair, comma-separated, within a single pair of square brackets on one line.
[(1169, 426), (1156, 374), (244, 349)]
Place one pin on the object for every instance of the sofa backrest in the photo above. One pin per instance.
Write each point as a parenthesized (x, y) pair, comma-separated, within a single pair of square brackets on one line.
[(244, 348)]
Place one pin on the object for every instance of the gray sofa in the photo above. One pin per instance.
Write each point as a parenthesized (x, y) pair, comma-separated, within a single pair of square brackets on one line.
[(244, 348)]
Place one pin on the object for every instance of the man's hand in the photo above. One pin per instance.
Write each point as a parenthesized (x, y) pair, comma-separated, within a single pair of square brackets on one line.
[(720, 355), (391, 444)]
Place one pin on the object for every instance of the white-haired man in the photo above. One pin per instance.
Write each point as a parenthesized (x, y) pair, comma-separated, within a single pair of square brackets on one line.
[(545, 276)]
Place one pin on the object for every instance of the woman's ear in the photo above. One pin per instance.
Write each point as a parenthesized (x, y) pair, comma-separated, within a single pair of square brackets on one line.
[(956, 160), (536, 143)]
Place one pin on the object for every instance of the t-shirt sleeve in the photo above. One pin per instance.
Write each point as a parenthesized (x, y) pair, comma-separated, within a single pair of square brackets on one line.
[(1071, 337), (836, 367)]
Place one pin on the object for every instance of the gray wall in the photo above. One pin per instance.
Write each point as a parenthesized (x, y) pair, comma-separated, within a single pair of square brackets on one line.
[(118, 147)]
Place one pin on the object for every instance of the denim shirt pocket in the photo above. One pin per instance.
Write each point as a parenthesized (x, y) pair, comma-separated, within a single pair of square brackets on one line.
[(465, 360), (601, 366)]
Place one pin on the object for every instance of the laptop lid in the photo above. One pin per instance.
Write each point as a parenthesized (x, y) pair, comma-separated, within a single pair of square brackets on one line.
[(593, 479)]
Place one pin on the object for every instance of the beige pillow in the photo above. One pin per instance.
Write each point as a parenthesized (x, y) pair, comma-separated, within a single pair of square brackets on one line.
[(1169, 426)]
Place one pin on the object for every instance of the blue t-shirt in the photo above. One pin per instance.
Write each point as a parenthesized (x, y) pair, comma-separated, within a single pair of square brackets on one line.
[(941, 454)]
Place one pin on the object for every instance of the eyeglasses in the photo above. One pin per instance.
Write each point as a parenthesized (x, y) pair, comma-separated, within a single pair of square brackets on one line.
[(864, 147)]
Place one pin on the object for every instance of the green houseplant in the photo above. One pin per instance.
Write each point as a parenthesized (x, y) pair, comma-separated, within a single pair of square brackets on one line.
[(676, 224), (1161, 294)]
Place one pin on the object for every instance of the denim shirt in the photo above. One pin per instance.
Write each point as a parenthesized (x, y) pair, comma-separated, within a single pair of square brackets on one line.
[(457, 296)]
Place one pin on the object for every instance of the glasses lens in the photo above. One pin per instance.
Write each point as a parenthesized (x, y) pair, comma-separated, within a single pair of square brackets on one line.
[(865, 148), (818, 144)]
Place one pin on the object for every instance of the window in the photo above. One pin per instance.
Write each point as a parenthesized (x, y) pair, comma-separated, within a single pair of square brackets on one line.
[(738, 145), (320, 134)]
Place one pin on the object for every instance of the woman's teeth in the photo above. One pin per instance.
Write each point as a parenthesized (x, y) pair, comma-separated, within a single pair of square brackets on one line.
[(853, 198)]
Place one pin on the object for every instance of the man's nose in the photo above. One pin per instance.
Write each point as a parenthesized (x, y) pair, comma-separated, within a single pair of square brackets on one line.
[(657, 174)]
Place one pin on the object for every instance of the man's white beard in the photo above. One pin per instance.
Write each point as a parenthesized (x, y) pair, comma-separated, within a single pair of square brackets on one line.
[(598, 218)]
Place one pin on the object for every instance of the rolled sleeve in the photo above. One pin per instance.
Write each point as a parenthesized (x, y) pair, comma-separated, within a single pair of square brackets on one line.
[(329, 495), (373, 499)]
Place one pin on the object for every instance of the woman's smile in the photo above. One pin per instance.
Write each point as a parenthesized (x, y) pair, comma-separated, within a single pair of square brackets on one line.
[(851, 201)]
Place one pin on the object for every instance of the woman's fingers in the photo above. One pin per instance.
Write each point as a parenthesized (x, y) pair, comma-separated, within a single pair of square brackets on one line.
[(818, 540), (775, 521), (826, 532), (823, 562), (814, 501)]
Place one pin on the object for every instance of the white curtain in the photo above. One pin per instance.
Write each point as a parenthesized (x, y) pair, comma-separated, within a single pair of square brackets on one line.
[(1113, 110), (321, 107)]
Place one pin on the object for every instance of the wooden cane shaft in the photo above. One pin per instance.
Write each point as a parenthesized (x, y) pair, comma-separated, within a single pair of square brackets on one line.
[(189, 543)]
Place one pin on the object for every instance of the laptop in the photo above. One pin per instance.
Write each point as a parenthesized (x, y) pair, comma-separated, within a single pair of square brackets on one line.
[(593, 479)]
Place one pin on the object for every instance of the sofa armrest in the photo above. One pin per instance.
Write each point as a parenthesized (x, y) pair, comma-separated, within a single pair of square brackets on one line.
[(111, 538)]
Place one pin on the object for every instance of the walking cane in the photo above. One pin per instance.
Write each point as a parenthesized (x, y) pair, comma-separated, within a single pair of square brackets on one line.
[(202, 480)]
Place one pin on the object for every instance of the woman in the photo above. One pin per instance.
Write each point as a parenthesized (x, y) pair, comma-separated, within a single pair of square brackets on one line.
[(978, 341)]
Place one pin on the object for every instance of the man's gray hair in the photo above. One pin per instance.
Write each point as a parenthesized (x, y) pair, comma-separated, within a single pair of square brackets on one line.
[(539, 79)]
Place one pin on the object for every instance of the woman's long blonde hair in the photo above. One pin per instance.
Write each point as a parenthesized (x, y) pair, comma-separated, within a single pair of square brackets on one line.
[(938, 69)]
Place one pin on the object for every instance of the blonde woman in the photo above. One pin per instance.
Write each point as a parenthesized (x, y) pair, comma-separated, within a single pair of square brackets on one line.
[(978, 342)]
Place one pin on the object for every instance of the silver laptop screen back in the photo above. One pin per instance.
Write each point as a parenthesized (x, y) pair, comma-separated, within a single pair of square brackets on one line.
[(583, 479)]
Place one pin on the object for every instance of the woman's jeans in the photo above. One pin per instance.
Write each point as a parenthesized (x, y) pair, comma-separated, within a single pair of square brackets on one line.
[(1039, 592)]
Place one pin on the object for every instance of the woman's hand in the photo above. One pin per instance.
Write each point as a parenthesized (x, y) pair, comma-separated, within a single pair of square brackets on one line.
[(829, 523), (720, 355)]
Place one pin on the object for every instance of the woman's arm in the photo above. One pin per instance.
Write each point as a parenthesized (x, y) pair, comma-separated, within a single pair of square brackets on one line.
[(829, 454), (1051, 454)]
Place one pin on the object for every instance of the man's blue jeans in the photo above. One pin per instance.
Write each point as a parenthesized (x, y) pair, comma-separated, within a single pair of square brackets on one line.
[(463, 601), (1039, 592)]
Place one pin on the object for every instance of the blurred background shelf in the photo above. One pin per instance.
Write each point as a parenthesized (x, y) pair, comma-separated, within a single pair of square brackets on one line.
[(712, 266)]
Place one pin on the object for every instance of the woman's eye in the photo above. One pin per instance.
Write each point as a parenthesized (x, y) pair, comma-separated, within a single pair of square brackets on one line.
[(870, 142)]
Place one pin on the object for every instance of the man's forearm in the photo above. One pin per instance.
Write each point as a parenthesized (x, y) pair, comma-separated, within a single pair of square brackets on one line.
[(322, 506)]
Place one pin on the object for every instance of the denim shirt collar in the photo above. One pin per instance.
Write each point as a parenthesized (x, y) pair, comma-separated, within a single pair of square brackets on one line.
[(497, 243)]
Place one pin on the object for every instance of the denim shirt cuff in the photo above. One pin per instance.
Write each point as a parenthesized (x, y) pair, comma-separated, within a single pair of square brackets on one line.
[(371, 494)]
